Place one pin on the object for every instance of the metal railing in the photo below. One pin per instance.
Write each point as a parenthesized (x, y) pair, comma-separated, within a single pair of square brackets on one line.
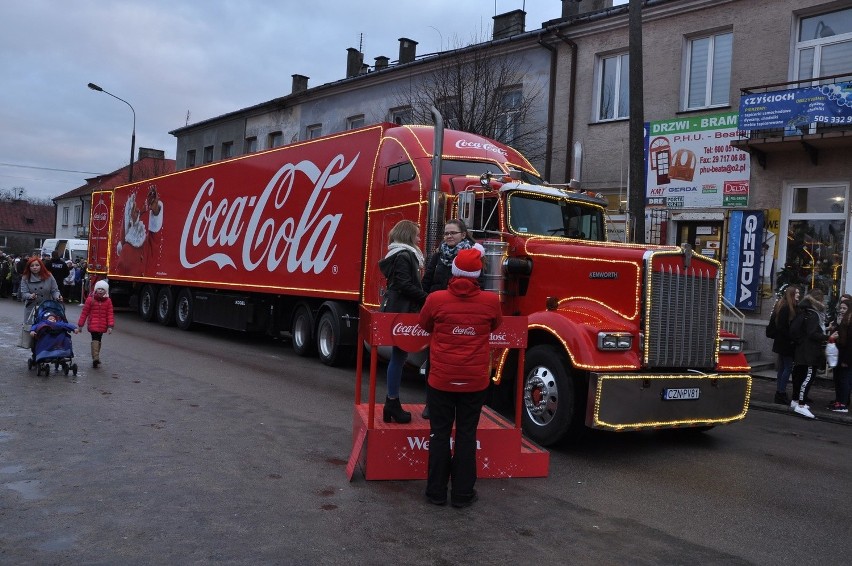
[(804, 127), (733, 319)]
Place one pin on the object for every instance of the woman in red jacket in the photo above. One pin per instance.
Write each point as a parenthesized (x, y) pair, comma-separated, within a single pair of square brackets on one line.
[(98, 309), (461, 320)]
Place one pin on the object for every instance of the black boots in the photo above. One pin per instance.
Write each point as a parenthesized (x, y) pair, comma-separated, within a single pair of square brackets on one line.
[(393, 412)]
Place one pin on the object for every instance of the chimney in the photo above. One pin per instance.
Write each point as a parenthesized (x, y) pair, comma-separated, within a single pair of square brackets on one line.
[(407, 50), (300, 83), (354, 60), (571, 8), (509, 24), (153, 153), (381, 62)]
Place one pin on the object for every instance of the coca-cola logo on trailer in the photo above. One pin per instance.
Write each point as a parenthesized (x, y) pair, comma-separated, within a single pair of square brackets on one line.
[(468, 144), (267, 230)]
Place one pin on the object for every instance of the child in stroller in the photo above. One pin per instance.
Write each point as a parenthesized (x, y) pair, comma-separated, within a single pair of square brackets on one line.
[(52, 334)]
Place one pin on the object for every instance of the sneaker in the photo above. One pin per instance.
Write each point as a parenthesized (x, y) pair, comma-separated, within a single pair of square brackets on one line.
[(840, 408), (794, 404), (804, 411), (781, 398)]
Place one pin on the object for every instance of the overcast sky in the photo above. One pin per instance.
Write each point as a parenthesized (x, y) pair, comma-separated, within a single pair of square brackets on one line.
[(170, 58)]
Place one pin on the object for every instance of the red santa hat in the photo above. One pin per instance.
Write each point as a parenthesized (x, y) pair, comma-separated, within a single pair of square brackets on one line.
[(468, 263)]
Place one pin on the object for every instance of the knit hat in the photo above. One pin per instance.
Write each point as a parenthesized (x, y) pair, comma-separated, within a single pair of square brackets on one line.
[(102, 284), (468, 263)]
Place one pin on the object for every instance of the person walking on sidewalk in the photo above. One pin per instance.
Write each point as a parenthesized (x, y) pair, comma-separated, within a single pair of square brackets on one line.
[(98, 310), (783, 344), (808, 330), (843, 371)]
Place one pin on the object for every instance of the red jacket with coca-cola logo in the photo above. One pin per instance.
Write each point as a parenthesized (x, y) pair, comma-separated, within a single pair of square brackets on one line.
[(460, 320), (99, 312)]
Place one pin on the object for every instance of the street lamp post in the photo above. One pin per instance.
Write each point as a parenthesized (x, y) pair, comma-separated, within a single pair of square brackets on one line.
[(93, 86)]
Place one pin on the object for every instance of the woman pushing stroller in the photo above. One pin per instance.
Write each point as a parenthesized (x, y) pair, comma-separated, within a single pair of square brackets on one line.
[(37, 286)]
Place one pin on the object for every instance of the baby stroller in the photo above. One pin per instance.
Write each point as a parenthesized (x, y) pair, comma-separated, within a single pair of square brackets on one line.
[(52, 340)]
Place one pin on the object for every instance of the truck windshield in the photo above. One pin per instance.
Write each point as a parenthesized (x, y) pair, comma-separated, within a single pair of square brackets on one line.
[(547, 216)]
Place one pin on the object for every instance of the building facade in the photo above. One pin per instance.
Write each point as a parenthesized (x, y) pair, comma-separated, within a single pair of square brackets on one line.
[(73, 209), (709, 182)]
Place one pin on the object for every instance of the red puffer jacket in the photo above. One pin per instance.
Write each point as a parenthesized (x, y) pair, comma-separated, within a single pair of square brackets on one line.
[(460, 320), (99, 312)]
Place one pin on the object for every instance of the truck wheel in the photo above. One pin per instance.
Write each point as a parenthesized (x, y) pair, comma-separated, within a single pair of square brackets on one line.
[(147, 300), (329, 336), (165, 307), (302, 330), (549, 403), (183, 309)]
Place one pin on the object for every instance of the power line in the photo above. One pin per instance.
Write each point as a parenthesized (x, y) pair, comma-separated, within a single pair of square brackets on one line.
[(50, 169)]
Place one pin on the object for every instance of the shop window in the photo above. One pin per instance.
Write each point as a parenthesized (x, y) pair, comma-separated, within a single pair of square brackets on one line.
[(816, 233)]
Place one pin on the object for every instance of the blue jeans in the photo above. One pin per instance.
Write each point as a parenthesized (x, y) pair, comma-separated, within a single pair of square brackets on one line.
[(785, 370), (394, 375)]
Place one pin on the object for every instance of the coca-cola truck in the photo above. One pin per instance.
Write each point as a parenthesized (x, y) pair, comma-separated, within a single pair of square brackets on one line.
[(621, 336)]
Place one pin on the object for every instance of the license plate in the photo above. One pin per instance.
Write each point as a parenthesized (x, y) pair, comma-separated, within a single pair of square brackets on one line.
[(681, 394)]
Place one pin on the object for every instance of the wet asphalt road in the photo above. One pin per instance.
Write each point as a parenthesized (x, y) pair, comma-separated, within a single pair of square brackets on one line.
[(210, 447)]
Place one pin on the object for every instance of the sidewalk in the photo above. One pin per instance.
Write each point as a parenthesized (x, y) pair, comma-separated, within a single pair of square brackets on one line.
[(821, 394)]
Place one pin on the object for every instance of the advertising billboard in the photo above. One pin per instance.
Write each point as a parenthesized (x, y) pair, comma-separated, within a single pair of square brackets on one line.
[(690, 163)]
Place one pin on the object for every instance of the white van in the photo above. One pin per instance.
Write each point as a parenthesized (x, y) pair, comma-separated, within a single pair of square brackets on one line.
[(68, 249)]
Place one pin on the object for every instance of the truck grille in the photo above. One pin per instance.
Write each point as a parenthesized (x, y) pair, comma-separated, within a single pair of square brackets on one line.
[(682, 323)]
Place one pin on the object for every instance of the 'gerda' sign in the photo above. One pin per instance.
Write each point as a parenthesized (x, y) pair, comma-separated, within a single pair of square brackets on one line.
[(745, 248)]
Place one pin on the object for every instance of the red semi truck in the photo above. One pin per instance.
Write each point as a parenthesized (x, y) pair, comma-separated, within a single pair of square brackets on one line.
[(621, 336)]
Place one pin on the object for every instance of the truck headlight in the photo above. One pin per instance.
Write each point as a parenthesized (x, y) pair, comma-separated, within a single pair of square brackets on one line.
[(615, 341), (731, 346)]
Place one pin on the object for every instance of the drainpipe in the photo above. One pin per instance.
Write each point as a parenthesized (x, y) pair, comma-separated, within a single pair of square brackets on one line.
[(569, 142), (551, 95)]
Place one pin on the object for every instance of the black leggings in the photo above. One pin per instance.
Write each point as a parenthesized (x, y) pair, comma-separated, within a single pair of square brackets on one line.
[(802, 377)]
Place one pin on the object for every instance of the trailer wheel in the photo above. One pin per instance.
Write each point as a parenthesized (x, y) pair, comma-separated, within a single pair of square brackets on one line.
[(147, 300), (329, 337), (302, 330), (550, 408), (165, 307), (183, 309)]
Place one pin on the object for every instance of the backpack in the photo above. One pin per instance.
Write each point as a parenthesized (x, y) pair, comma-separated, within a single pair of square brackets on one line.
[(772, 327)]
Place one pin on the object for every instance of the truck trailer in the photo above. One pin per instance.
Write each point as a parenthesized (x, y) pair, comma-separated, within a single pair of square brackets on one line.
[(288, 240)]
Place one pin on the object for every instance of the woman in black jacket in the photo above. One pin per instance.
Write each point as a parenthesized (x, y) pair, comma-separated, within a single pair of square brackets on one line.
[(440, 264), (808, 329), (401, 266), (783, 344)]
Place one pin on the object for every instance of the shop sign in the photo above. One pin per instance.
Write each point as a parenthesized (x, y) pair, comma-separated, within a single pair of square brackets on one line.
[(745, 249), (829, 104), (690, 163)]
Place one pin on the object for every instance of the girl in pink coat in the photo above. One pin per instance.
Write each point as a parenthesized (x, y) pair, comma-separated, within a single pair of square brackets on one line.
[(98, 311)]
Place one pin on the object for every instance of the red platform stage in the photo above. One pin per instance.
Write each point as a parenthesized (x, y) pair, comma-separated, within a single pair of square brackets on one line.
[(392, 451)]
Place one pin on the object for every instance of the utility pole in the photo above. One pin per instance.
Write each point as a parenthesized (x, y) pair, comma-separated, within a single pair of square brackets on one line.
[(636, 178)]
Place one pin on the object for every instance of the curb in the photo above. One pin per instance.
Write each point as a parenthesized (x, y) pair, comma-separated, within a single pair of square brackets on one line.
[(820, 413)]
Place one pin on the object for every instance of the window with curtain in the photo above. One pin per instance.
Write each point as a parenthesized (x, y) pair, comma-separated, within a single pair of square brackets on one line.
[(708, 76), (824, 45)]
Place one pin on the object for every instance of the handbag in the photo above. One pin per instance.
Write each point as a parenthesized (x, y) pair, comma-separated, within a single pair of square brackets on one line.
[(25, 340), (831, 354)]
